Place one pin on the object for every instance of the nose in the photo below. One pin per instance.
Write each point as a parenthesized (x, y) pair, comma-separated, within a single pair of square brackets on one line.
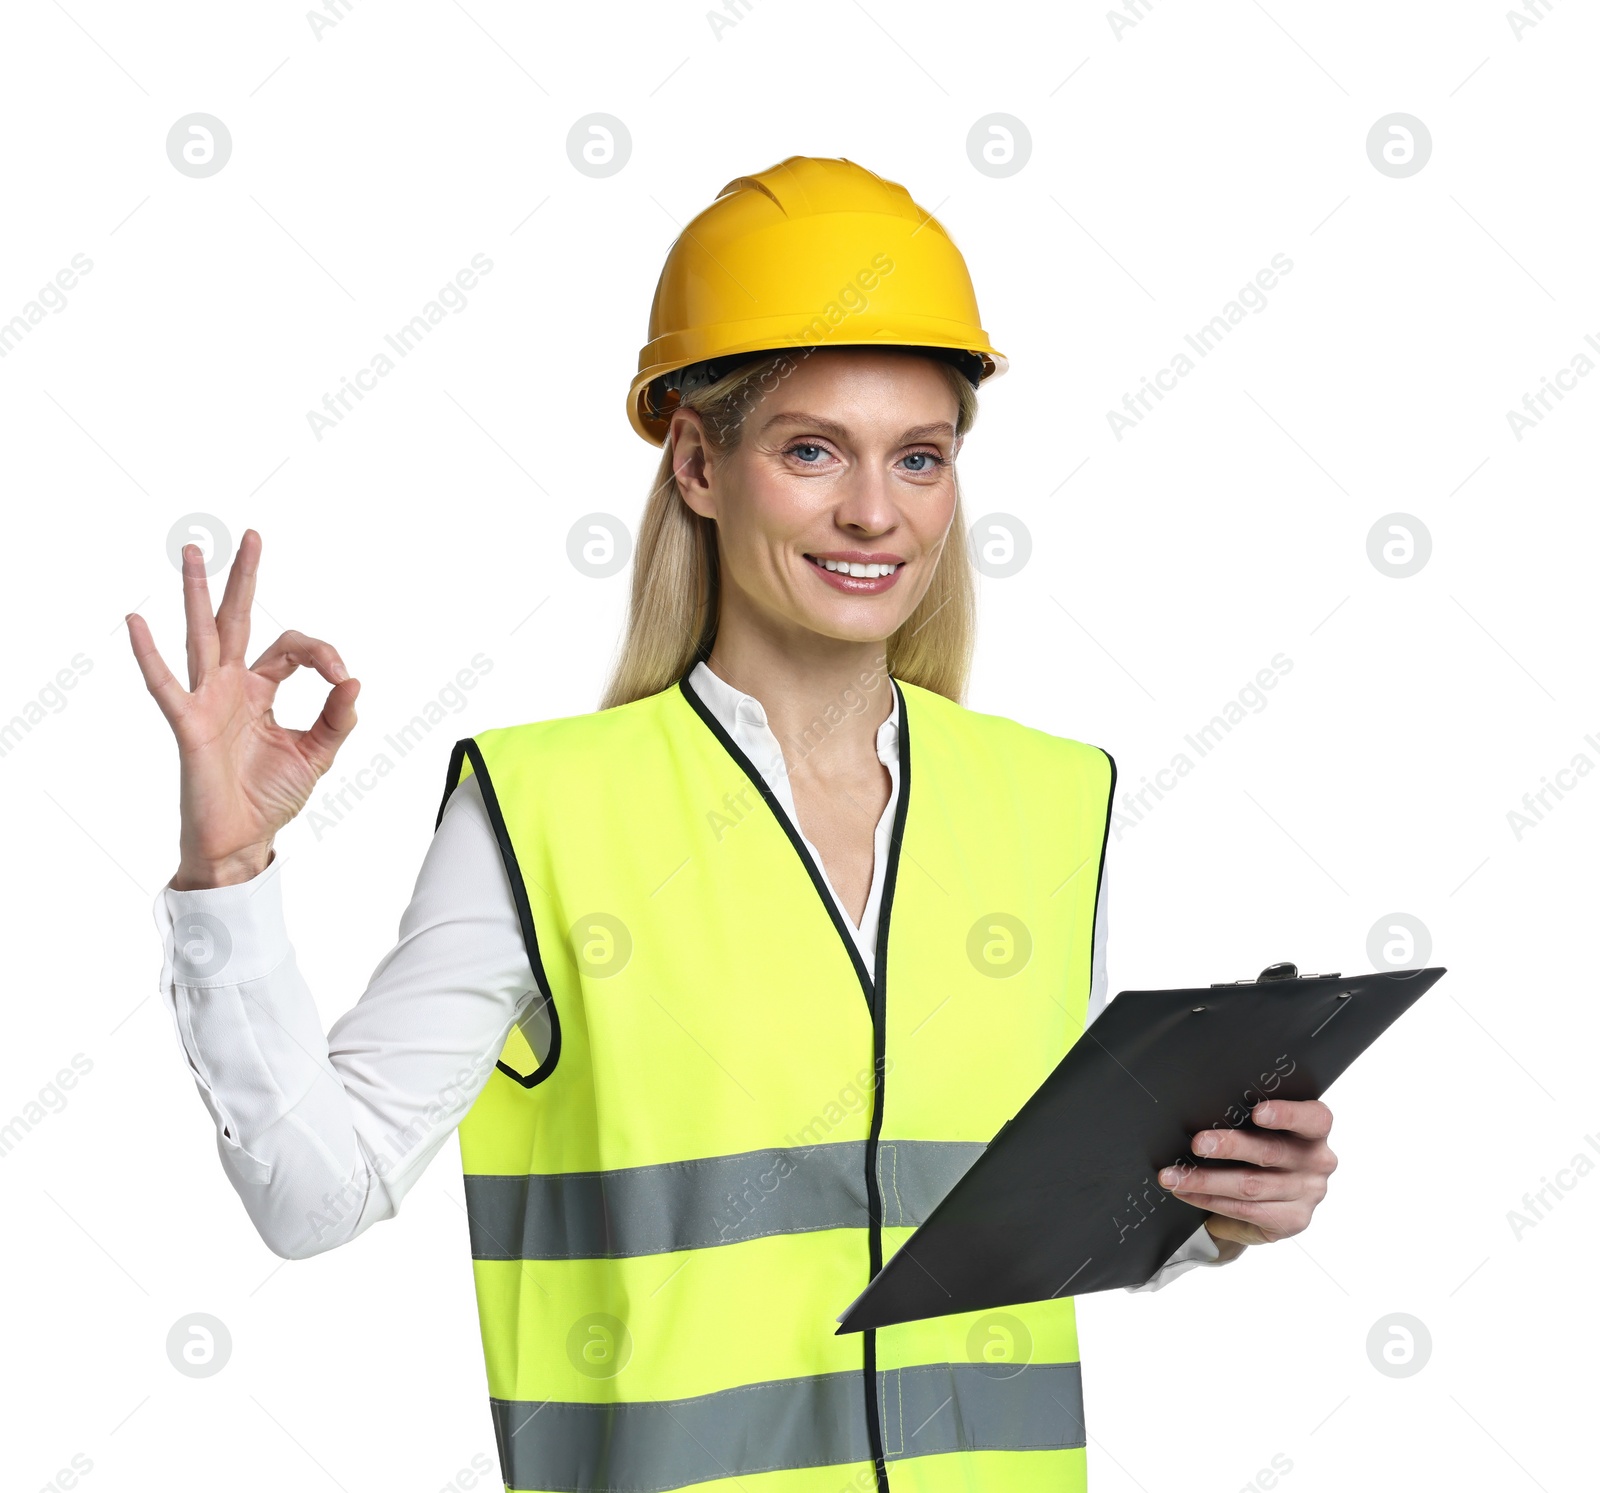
[(863, 500)]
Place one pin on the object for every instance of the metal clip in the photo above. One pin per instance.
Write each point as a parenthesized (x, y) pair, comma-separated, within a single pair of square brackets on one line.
[(1275, 972)]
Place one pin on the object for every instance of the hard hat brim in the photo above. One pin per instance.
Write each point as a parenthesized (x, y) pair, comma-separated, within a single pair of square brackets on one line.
[(776, 335)]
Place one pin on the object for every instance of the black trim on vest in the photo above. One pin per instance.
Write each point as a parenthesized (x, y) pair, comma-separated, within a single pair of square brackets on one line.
[(468, 748), (1105, 837), (872, 989), (879, 1047)]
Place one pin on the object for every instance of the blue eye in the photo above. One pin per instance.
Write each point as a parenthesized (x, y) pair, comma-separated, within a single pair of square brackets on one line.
[(931, 459)]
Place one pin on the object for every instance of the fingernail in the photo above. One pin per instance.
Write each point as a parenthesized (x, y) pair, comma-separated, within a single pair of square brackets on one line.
[(1205, 1144), (1168, 1177)]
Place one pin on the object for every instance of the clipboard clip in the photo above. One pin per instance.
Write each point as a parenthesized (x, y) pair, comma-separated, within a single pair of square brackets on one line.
[(1273, 972)]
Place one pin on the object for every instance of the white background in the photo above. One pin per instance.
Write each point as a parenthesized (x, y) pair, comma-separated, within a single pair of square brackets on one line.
[(1168, 164)]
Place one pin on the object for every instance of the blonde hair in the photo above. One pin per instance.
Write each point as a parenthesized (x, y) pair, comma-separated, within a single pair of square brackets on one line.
[(672, 612)]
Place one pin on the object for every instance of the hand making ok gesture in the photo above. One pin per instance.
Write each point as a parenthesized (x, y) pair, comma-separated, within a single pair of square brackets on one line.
[(242, 775)]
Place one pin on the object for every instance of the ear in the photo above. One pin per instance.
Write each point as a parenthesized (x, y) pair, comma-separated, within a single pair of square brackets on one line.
[(692, 462)]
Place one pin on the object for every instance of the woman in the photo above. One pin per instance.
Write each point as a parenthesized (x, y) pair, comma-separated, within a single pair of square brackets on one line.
[(725, 984)]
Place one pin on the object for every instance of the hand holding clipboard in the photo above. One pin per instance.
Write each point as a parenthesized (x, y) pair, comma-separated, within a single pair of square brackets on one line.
[(1066, 1198)]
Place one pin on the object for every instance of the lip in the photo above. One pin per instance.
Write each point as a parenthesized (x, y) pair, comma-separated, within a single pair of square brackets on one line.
[(855, 585), (860, 557)]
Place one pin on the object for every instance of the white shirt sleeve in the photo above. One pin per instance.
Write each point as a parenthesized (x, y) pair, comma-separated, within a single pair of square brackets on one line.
[(323, 1135), (1199, 1248), (1098, 994)]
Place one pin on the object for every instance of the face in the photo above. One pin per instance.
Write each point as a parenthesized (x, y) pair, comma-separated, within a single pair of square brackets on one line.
[(832, 513)]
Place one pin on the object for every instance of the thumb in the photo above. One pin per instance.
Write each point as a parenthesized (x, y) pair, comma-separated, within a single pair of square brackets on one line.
[(337, 721)]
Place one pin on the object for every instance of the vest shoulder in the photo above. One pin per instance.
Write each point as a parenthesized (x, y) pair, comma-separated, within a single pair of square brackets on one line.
[(999, 732), (620, 729)]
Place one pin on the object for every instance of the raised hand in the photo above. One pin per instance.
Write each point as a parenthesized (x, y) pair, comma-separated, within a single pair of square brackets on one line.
[(242, 776)]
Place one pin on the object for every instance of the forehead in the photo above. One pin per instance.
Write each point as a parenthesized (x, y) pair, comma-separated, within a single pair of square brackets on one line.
[(845, 390)]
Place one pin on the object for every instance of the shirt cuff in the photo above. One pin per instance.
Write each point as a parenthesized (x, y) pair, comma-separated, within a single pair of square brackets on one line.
[(1198, 1249), (215, 942), (224, 935)]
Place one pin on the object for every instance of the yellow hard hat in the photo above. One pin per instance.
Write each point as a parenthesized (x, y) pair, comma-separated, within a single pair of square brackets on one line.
[(809, 253)]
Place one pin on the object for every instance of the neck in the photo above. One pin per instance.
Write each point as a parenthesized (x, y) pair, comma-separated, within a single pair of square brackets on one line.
[(823, 696)]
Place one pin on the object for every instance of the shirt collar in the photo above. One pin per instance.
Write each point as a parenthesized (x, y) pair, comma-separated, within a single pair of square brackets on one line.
[(731, 705)]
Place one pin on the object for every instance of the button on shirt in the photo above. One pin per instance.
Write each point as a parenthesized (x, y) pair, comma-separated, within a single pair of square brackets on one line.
[(322, 1134)]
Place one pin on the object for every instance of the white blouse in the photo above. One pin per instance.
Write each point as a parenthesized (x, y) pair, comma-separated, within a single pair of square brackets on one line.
[(322, 1135)]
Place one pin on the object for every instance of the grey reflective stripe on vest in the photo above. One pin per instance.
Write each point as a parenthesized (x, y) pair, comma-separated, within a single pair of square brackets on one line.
[(645, 1210), (650, 1446)]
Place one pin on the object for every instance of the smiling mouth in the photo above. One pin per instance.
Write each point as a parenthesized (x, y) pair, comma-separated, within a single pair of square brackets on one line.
[(856, 568)]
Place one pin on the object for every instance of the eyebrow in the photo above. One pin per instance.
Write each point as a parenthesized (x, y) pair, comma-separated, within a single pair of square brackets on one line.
[(839, 432)]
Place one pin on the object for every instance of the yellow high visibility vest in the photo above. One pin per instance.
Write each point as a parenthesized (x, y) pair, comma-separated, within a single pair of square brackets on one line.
[(735, 1125)]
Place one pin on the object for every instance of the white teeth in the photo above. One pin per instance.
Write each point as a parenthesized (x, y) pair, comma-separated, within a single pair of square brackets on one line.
[(855, 568)]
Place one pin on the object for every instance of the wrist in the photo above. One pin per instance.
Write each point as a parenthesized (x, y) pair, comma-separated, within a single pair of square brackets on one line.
[(195, 874), (1227, 1248)]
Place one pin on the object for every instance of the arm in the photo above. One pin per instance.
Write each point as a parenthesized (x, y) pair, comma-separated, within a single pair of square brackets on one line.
[(296, 1110), (322, 1136)]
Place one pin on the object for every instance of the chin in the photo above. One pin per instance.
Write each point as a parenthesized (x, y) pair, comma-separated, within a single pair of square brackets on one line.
[(847, 625)]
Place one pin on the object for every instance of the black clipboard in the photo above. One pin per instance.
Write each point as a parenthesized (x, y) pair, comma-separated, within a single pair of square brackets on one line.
[(1064, 1200)]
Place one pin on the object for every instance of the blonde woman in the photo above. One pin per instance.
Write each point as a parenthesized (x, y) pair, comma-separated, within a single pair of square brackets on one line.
[(724, 984)]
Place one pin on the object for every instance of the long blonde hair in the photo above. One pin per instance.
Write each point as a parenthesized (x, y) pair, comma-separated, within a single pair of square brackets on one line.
[(672, 613)]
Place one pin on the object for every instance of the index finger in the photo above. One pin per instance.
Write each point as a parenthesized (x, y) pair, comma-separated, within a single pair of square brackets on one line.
[(1308, 1117)]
